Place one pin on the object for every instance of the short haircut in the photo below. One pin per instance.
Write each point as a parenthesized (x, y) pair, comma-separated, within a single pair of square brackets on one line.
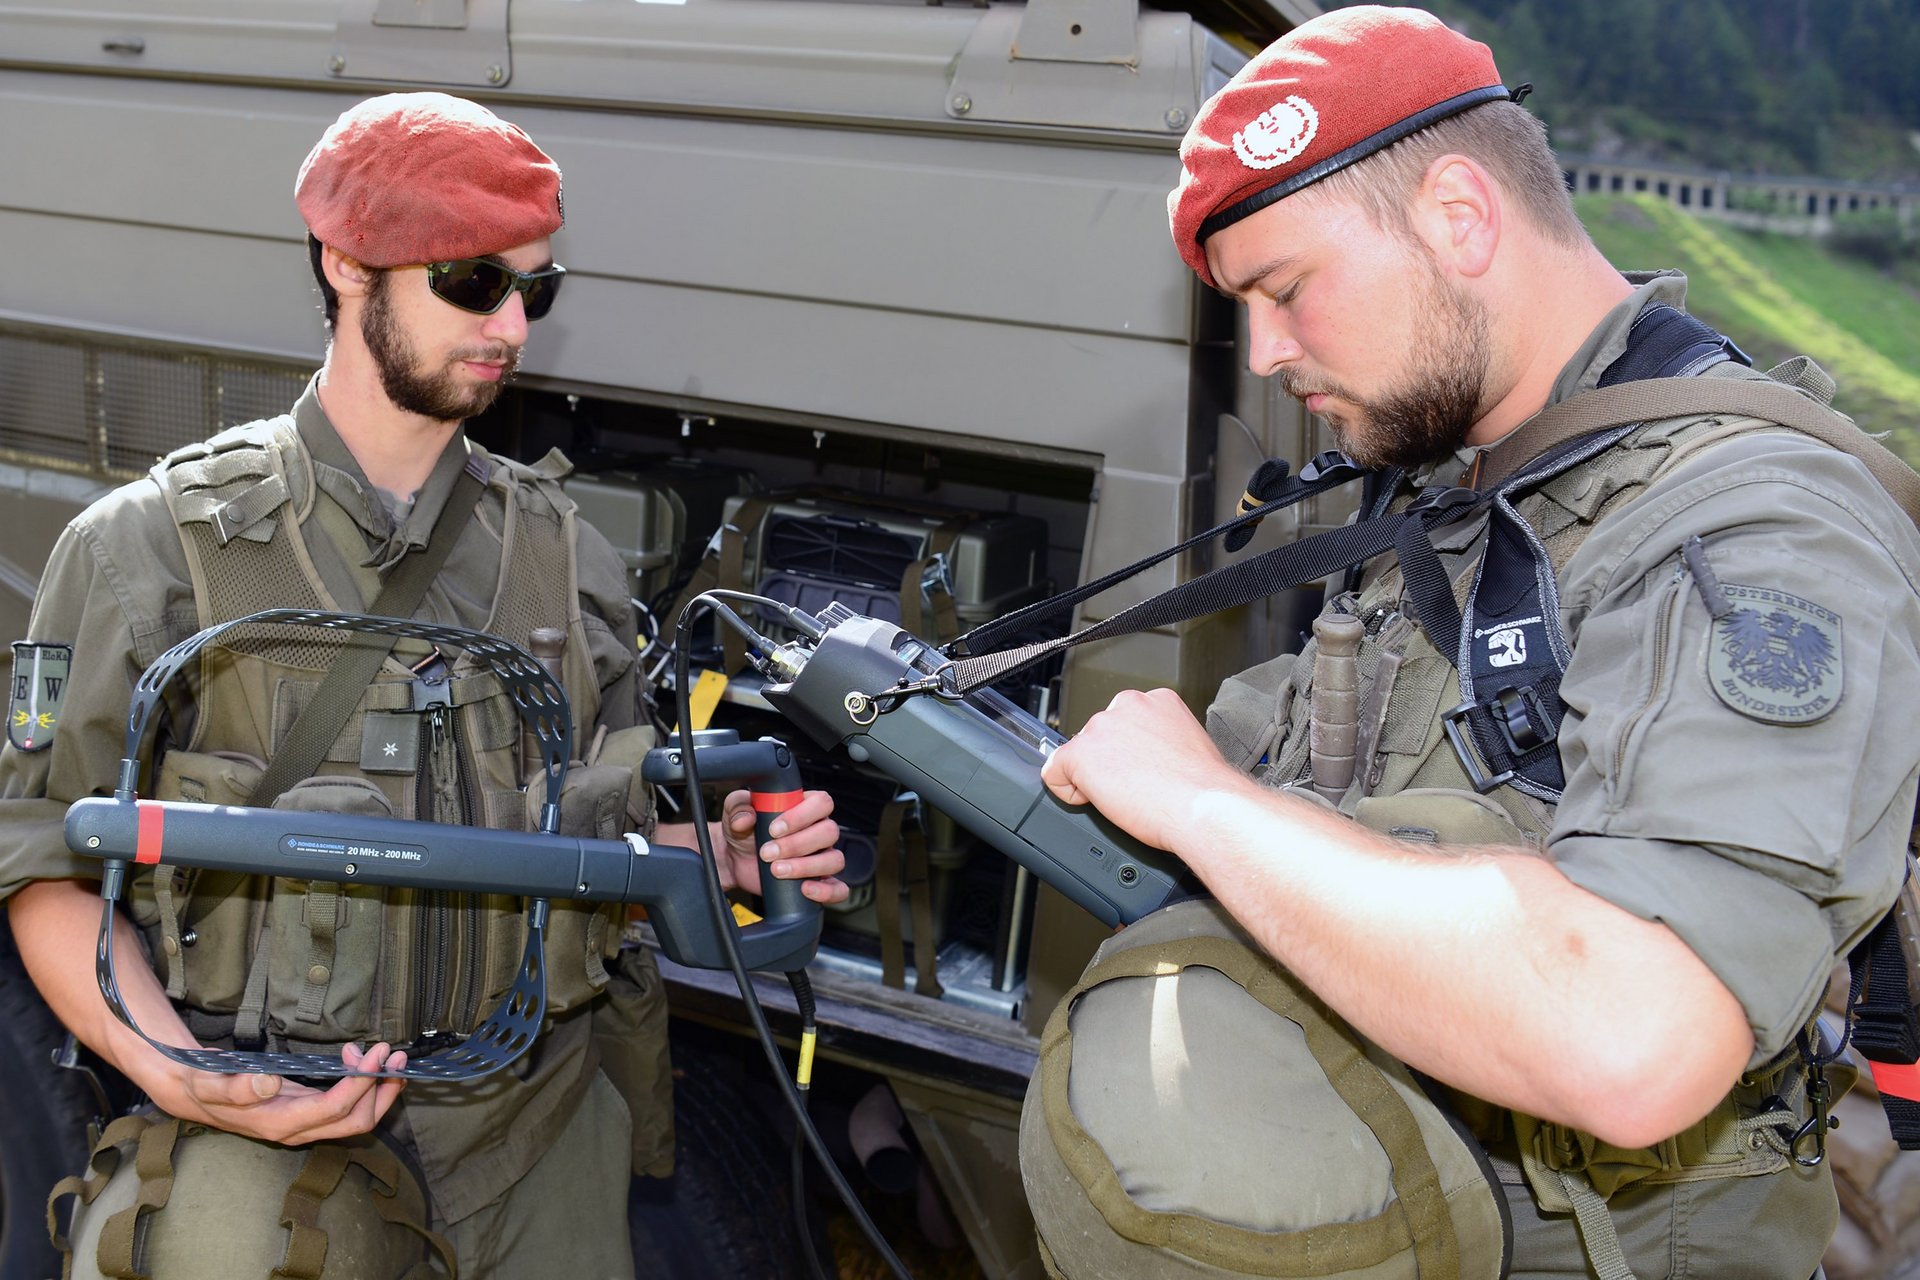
[(329, 297), (1503, 136)]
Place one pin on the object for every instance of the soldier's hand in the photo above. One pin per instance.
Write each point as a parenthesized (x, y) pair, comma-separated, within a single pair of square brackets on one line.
[(278, 1110), (1144, 763), (803, 847)]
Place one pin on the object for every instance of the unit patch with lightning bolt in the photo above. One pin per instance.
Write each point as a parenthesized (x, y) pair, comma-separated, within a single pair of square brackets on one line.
[(39, 686)]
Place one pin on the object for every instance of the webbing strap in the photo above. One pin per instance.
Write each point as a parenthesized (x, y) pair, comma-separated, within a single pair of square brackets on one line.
[(322, 719), (153, 1165), (250, 1019), (886, 896), (1882, 1018), (917, 590), (100, 1169), (1418, 1218), (323, 922), (902, 862), (984, 638), (917, 871), (399, 1200), (1654, 399), (1428, 589), (1597, 1236), (1280, 569), (306, 1254), (169, 907)]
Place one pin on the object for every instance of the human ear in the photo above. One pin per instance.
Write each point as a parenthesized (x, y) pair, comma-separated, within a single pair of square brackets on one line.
[(349, 277), (1460, 214)]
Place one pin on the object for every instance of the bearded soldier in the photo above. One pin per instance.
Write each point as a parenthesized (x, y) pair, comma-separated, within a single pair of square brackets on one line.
[(1628, 757), (430, 225)]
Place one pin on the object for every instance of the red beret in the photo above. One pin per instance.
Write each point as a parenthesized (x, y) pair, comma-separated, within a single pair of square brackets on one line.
[(1331, 91), (424, 177)]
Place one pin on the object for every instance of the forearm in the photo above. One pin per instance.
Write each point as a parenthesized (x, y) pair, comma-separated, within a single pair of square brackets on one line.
[(55, 924), (1487, 969)]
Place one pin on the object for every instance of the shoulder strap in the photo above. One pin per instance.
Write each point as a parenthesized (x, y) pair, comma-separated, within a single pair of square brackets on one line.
[(1655, 398), (322, 719)]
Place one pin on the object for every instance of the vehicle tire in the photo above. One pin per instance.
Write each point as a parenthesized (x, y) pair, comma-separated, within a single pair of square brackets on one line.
[(43, 1126), (727, 1210)]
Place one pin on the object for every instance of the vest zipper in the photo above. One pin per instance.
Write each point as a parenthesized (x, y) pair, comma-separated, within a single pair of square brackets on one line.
[(1663, 625), (430, 939), (440, 930), (471, 952)]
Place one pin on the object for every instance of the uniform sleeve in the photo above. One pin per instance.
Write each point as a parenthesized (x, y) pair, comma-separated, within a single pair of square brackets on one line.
[(606, 613), (1739, 745), (117, 613)]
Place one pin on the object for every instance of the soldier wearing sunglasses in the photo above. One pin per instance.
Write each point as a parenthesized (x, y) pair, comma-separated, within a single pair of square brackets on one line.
[(430, 225)]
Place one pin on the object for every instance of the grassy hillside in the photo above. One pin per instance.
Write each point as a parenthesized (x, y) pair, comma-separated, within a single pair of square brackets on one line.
[(1782, 295)]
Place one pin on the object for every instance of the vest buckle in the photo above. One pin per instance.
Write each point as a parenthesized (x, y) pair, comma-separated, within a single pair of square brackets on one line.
[(431, 686), (1520, 719), (1477, 773), (1331, 465), (1441, 499)]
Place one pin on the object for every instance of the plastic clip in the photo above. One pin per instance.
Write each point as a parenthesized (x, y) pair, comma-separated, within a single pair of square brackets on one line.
[(1442, 500), (1330, 465)]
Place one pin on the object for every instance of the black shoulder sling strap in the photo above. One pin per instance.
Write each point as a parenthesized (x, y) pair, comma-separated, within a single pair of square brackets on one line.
[(322, 719), (1663, 340), (1514, 728)]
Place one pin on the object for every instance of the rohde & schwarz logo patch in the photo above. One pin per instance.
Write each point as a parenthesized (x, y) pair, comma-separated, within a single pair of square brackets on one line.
[(1507, 647)]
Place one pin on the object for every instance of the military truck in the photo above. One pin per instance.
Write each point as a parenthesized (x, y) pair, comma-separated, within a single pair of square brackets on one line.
[(893, 276), (883, 286)]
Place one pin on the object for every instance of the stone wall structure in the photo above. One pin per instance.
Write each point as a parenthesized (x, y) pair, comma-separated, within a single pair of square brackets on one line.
[(1796, 205)]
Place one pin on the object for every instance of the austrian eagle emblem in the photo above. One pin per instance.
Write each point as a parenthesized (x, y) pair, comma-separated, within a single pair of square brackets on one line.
[(1775, 656)]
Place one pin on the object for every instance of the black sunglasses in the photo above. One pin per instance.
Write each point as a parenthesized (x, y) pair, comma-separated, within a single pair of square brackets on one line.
[(483, 287)]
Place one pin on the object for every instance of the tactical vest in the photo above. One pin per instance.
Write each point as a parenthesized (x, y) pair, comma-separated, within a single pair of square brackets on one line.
[(305, 964), (1419, 773)]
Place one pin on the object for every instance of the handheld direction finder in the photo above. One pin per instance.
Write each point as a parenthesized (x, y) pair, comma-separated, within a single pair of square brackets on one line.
[(670, 881), (350, 849), (977, 759)]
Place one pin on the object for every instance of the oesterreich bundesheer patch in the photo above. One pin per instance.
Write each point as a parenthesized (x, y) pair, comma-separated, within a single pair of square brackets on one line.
[(1776, 657), (39, 687), (1278, 134)]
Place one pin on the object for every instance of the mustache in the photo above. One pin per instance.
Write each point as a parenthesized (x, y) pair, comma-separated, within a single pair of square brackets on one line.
[(1299, 387), (499, 353)]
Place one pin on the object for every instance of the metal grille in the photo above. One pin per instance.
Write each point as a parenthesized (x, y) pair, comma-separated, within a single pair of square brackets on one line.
[(152, 404), (43, 399), (112, 405), (251, 392)]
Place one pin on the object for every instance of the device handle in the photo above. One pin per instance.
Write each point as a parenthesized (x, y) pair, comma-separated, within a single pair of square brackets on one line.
[(772, 777)]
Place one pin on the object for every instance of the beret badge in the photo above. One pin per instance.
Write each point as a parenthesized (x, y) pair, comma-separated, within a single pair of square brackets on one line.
[(1278, 134)]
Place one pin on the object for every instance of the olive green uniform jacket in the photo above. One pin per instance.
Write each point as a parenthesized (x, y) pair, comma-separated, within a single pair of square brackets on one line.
[(1768, 830), (117, 590)]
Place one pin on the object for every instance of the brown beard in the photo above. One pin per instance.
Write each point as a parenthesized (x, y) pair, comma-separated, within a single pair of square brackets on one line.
[(433, 394), (1429, 413)]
